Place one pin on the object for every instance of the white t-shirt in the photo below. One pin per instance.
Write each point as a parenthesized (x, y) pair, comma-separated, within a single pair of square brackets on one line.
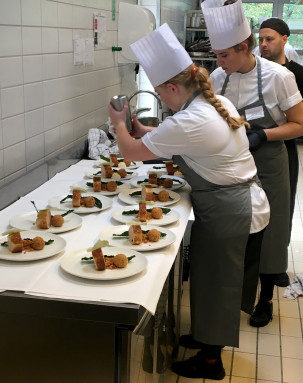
[(211, 148), (279, 88)]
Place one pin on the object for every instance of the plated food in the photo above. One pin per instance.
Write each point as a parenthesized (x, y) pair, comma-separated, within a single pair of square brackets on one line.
[(130, 213), (118, 162), (126, 173), (148, 193), (160, 181), (94, 202), (168, 168), (30, 245), (27, 221), (108, 188), (131, 237), (75, 264)]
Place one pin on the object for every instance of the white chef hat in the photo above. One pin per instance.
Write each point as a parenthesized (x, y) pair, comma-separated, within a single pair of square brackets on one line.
[(226, 25), (161, 55)]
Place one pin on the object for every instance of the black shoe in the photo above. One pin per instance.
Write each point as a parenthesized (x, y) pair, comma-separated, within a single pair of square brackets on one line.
[(282, 280), (262, 314), (188, 341), (196, 367)]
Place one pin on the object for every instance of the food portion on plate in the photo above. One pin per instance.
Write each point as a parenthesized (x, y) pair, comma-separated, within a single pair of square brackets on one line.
[(148, 193), (111, 174), (157, 179), (103, 261), (80, 263), (87, 203), (168, 168), (118, 162), (45, 219), (108, 188), (154, 215), (145, 238), (18, 245), (27, 221)]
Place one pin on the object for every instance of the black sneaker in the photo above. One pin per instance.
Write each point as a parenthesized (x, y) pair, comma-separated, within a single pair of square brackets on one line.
[(188, 341), (196, 367), (262, 314), (282, 280)]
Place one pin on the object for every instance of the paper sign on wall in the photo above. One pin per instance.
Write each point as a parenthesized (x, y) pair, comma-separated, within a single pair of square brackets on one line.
[(83, 51), (99, 28)]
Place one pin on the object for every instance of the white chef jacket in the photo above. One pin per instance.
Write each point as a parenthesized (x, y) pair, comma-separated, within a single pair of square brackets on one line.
[(212, 149), (279, 88)]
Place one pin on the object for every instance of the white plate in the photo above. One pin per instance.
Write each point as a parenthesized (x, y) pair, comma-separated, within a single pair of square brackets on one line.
[(176, 185), (71, 263), (82, 184), (168, 218), (68, 204), (56, 247), (161, 169), (125, 197), (90, 173), (133, 165), (27, 221), (107, 235)]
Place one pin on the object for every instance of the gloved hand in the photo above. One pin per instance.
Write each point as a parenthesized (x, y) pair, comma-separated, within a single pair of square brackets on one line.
[(256, 139)]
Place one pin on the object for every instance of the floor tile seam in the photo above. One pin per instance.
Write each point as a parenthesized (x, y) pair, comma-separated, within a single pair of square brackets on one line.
[(280, 341)]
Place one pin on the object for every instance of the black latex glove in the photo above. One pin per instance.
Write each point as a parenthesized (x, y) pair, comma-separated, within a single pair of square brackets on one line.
[(256, 139)]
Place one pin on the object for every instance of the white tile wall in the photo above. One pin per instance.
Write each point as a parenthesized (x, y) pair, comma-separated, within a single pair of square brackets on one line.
[(31, 12), (13, 130), (11, 73), (46, 103)]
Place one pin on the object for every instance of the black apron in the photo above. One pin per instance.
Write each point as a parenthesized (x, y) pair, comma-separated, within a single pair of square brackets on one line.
[(272, 165), (217, 253)]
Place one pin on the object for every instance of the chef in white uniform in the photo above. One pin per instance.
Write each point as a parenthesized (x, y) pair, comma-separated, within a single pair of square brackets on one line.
[(266, 94), (207, 139)]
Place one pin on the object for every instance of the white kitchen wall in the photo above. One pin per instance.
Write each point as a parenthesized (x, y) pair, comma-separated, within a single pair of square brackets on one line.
[(47, 104)]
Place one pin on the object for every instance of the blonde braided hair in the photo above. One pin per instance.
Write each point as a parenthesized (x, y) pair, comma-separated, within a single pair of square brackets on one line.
[(198, 78)]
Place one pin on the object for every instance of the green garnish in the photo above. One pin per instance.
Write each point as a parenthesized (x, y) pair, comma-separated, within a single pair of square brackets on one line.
[(90, 259), (135, 193), (95, 174), (133, 212), (104, 158), (90, 184), (4, 244), (67, 212), (49, 242), (98, 203), (67, 197), (35, 206)]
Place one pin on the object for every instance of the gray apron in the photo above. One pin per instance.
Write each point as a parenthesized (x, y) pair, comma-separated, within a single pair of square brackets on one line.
[(217, 253), (272, 165)]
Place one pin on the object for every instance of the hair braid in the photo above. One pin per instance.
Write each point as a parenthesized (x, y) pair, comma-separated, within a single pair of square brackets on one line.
[(202, 81)]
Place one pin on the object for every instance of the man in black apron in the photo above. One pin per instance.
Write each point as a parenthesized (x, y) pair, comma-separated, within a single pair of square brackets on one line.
[(223, 275), (273, 35), (247, 81)]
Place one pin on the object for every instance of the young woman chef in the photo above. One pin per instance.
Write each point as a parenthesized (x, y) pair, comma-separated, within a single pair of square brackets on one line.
[(266, 94), (207, 139)]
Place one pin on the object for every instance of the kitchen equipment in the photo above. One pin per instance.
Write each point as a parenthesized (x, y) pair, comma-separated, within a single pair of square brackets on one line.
[(118, 103)]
